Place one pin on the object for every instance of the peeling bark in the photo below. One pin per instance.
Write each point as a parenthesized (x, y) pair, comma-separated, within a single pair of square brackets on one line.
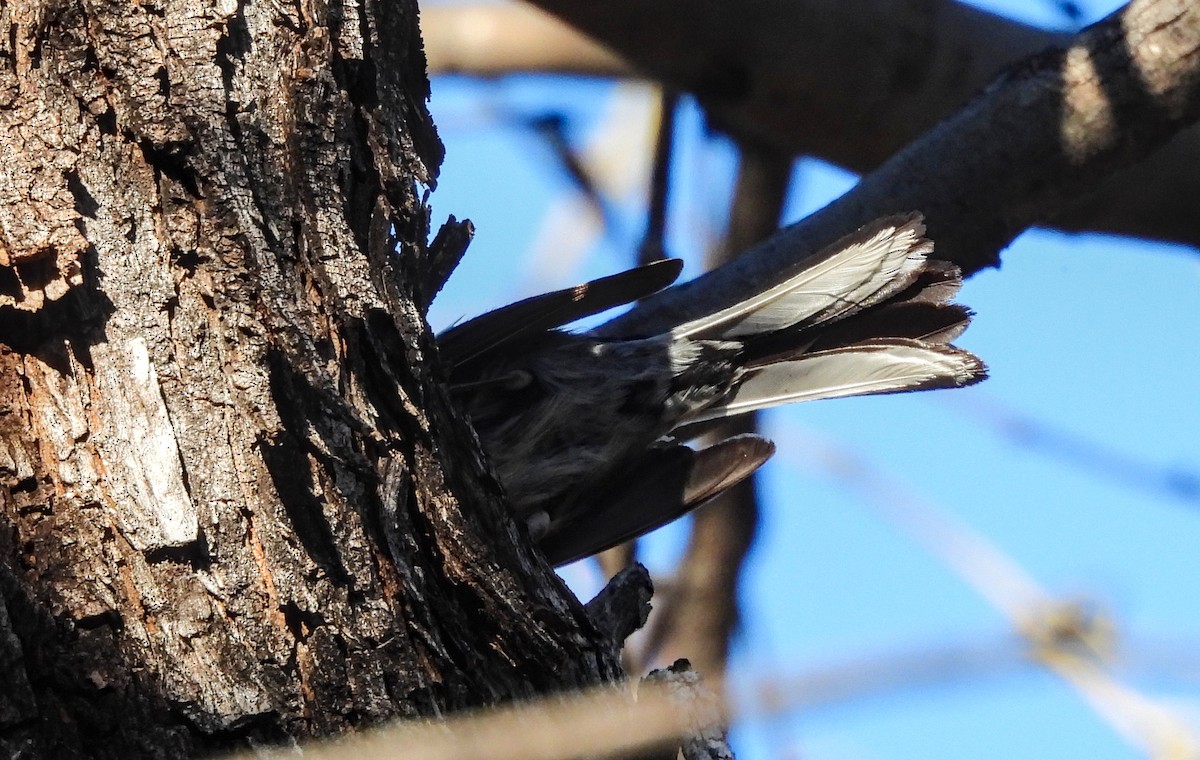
[(237, 506)]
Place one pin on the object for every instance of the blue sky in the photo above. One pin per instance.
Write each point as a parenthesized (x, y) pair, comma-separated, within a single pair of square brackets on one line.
[(1091, 345)]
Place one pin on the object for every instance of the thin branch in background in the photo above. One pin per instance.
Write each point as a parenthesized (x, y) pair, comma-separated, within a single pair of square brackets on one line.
[(615, 155), (1073, 12), (653, 245), (701, 613), (612, 561), (606, 722), (1077, 451), (490, 40), (551, 127), (1069, 638)]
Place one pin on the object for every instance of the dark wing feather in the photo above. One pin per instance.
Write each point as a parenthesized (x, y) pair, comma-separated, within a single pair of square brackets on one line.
[(665, 484), (512, 324)]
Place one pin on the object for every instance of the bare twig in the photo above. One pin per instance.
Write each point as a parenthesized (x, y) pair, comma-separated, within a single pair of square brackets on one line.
[(606, 722), (615, 157), (1078, 451), (622, 606), (702, 611), (653, 245), (445, 251), (1067, 637)]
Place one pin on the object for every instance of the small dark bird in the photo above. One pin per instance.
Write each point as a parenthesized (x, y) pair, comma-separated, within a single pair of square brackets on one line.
[(586, 433)]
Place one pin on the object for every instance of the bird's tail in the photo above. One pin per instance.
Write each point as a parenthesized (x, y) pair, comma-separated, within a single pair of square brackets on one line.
[(871, 313)]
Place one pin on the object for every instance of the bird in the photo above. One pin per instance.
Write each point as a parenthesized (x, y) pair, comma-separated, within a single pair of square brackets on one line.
[(587, 433)]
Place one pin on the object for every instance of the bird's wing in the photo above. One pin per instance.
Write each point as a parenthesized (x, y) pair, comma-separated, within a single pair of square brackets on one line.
[(862, 269), (509, 325), (666, 483)]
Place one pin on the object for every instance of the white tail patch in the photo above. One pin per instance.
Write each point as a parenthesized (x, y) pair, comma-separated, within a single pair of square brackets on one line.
[(890, 367), (859, 270)]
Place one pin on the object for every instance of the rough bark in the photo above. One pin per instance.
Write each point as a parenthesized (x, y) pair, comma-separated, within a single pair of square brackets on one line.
[(236, 503)]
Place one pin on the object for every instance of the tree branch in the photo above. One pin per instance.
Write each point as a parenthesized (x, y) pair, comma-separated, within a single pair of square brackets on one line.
[(850, 82), (1037, 138), (493, 40)]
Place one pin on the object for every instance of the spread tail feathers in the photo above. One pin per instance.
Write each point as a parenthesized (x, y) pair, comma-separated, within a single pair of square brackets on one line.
[(869, 314), (862, 269), (883, 366)]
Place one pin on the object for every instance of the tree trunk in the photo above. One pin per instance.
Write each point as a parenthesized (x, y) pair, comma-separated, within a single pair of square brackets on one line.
[(237, 504)]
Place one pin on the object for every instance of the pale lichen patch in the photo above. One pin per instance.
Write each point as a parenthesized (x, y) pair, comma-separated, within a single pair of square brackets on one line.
[(138, 446)]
